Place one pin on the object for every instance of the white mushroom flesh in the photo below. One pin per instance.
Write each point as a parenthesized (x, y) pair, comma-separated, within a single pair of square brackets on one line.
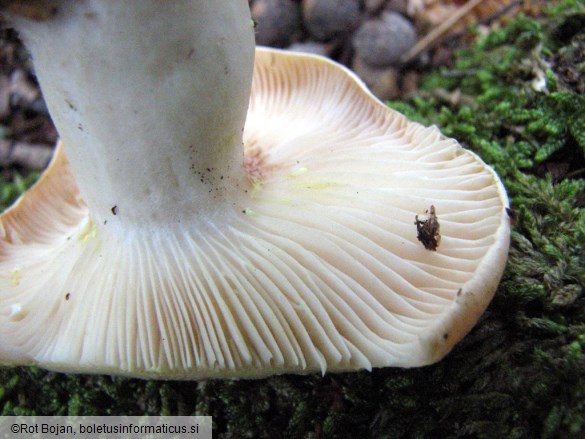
[(309, 262)]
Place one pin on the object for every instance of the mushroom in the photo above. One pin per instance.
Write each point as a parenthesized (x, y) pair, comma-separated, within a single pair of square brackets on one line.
[(191, 226)]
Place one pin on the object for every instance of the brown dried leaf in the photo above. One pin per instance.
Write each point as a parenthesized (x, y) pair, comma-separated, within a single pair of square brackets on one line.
[(38, 10)]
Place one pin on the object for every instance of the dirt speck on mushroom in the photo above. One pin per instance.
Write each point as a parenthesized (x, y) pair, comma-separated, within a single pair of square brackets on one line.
[(428, 231)]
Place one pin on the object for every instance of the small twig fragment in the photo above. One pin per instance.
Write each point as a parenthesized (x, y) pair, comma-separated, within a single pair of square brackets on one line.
[(439, 32)]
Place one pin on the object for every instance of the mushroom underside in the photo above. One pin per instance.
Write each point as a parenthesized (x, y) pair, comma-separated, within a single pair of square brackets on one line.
[(314, 266)]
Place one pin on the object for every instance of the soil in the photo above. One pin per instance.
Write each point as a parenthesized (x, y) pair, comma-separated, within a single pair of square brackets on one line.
[(24, 119)]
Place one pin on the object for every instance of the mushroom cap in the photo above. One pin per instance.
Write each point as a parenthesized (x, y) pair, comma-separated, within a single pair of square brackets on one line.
[(316, 266)]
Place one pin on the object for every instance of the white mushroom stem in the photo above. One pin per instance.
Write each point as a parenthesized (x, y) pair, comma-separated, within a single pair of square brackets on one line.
[(150, 100)]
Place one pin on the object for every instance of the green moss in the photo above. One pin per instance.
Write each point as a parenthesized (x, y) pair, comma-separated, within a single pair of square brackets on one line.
[(521, 372), (12, 186)]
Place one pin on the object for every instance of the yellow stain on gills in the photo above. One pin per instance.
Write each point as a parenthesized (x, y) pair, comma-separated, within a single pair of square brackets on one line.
[(256, 188), (15, 276), (298, 172), (317, 185), (88, 233)]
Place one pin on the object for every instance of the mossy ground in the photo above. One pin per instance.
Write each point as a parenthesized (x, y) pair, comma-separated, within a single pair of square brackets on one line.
[(516, 99)]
